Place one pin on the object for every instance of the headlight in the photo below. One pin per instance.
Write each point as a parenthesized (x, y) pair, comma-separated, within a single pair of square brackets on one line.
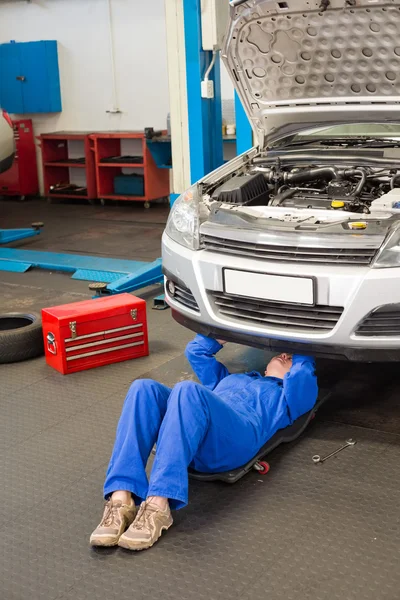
[(183, 222), (389, 254)]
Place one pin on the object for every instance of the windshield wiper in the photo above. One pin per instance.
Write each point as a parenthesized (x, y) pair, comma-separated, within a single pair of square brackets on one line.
[(360, 142), (369, 142)]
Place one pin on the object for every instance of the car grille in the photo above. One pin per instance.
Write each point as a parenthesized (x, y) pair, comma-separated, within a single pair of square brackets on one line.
[(384, 322), (184, 296), (327, 256), (293, 317)]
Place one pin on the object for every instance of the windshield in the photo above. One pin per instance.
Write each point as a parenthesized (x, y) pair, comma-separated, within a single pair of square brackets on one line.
[(345, 131)]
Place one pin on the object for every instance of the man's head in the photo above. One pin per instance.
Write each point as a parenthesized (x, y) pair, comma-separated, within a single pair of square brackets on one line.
[(279, 366)]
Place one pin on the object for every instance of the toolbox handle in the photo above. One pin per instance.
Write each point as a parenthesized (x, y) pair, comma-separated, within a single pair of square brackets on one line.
[(51, 343)]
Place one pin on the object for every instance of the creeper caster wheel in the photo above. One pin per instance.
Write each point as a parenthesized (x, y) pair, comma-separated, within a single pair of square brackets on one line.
[(262, 467)]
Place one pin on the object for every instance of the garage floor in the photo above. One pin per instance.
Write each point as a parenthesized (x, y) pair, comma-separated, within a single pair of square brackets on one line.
[(303, 531)]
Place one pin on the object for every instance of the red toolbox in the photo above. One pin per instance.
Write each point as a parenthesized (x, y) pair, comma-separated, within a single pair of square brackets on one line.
[(92, 333)]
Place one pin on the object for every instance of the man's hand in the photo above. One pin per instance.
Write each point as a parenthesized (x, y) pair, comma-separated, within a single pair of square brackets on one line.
[(222, 342)]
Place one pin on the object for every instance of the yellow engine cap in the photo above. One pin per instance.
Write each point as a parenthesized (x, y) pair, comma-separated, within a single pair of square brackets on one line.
[(337, 204), (358, 225)]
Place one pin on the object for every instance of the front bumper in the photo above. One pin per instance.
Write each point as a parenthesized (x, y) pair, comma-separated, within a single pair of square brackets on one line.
[(358, 289), (275, 345)]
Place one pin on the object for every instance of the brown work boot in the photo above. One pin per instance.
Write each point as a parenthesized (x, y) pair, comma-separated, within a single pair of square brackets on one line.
[(147, 528), (116, 519)]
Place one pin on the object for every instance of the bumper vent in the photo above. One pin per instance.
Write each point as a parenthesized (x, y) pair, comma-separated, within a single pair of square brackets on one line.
[(326, 256), (285, 317), (381, 322), (184, 296)]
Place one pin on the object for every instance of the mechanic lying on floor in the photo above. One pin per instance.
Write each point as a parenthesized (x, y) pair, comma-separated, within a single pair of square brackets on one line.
[(214, 426)]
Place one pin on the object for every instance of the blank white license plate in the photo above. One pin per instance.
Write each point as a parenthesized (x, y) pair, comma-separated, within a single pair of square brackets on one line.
[(278, 288)]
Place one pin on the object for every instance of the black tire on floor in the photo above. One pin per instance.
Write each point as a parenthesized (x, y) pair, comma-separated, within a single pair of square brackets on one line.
[(20, 336)]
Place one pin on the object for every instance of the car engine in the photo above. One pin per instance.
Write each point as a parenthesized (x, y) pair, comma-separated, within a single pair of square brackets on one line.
[(355, 188)]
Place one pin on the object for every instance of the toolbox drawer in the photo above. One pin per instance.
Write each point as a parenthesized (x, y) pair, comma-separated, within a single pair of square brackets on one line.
[(97, 332)]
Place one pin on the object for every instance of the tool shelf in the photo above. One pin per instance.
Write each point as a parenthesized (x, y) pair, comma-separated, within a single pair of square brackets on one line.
[(59, 165), (127, 153)]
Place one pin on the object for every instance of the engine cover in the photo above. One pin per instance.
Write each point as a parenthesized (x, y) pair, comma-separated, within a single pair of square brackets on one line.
[(243, 189)]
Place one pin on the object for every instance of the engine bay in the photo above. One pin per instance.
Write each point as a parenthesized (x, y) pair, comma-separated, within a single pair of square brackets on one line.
[(355, 189)]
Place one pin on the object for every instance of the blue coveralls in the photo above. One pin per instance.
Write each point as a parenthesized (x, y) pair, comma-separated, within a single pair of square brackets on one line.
[(214, 426)]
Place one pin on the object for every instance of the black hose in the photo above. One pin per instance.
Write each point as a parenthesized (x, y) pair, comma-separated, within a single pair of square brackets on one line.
[(284, 196), (306, 175), (361, 183), (310, 174), (329, 172), (282, 189), (393, 180)]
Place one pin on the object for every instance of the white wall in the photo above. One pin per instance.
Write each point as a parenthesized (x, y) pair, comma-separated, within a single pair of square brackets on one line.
[(82, 29), (227, 89)]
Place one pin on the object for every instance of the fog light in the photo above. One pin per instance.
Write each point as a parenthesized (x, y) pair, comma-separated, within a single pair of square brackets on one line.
[(171, 288)]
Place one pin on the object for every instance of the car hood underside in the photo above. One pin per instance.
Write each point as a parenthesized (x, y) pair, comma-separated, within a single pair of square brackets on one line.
[(314, 62)]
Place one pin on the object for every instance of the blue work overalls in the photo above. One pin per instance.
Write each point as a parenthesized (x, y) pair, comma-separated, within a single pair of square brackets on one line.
[(214, 426)]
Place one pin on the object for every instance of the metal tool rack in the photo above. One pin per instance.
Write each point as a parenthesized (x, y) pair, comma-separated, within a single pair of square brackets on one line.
[(109, 145), (58, 164)]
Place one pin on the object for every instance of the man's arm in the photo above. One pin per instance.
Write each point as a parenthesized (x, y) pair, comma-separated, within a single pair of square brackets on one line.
[(300, 386), (200, 353)]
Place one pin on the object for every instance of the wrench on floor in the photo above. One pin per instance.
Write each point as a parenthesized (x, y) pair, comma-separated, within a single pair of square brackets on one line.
[(317, 459)]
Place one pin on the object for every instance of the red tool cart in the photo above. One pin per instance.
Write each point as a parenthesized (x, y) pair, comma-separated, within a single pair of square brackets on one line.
[(68, 165), (22, 178), (126, 169), (93, 333)]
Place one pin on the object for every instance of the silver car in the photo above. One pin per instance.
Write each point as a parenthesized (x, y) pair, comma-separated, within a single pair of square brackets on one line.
[(295, 245), (7, 144)]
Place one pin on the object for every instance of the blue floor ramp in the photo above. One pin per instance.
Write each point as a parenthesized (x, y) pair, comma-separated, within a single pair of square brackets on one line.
[(121, 275)]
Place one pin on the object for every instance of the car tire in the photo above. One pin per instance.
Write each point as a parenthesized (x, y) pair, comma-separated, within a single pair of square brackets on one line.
[(20, 336)]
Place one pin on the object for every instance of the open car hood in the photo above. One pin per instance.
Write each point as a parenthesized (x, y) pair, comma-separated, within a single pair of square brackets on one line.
[(297, 62)]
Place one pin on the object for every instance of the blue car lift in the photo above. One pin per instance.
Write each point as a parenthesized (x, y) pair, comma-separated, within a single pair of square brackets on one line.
[(12, 235), (113, 275)]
